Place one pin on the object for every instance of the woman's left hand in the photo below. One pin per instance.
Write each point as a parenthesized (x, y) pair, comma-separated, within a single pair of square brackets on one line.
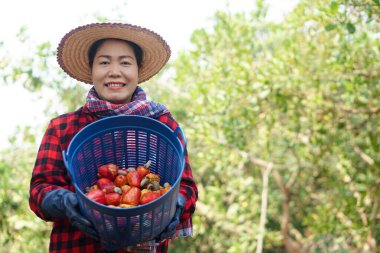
[(170, 230)]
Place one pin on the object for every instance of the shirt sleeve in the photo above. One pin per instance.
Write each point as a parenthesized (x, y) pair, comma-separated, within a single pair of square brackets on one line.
[(49, 171), (188, 186)]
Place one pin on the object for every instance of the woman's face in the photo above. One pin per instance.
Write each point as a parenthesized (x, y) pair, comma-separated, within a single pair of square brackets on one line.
[(115, 71)]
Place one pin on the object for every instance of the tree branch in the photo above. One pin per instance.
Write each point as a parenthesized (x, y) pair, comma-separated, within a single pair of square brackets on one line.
[(363, 155), (264, 204), (359, 111), (290, 244)]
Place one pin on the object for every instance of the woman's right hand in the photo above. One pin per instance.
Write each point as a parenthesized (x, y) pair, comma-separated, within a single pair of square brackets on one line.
[(64, 203)]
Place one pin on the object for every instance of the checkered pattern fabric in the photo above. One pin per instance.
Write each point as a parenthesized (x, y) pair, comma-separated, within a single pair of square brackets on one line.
[(139, 105)]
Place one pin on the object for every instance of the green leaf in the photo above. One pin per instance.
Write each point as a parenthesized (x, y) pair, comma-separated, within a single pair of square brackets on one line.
[(334, 6), (377, 2), (374, 141), (330, 27), (22, 34), (350, 28)]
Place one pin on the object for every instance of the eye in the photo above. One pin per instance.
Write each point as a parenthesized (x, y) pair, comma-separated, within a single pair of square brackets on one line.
[(126, 63), (103, 62)]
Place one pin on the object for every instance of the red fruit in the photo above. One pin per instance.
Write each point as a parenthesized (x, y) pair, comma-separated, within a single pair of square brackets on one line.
[(97, 195), (106, 185), (134, 178), (143, 170), (125, 188), (131, 197), (108, 171), (148, 197), (120, 180), (113, 198), (153, 177)]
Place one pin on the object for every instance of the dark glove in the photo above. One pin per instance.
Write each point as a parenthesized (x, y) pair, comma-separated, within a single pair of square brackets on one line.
[(170, 230), (64, 203)]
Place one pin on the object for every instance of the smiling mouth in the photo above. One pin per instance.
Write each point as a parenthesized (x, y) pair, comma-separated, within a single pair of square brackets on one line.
[(115, 85)]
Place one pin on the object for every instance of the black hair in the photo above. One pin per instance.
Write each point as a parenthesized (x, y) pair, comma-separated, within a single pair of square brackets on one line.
[(95, 46)]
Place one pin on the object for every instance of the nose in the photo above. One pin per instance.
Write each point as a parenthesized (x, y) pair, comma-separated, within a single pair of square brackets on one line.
[(114, 70)]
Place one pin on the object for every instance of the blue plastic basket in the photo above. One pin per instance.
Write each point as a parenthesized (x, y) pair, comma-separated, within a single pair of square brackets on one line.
[(127, 141)]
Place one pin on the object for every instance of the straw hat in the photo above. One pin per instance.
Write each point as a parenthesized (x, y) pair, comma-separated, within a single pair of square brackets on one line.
[(74, 48)]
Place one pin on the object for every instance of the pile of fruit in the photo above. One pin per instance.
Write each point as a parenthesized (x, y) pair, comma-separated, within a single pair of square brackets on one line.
[(120, 187)]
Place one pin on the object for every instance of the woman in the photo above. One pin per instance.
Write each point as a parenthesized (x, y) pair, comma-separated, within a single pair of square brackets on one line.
[(115, 58)]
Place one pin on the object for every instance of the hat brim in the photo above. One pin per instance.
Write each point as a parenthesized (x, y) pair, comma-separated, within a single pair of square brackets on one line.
[(74, 47)]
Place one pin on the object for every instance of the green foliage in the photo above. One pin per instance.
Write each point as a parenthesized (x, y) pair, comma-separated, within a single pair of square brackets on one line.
[(37, 71), (302, 94), (20, 229)]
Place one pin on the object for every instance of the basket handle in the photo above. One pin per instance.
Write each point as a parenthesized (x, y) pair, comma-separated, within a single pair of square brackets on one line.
[(177, 131)]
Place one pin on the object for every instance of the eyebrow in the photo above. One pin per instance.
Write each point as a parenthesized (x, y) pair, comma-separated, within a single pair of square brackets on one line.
[(120, 57)]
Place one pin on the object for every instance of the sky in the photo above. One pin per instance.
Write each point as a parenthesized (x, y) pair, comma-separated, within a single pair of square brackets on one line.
[(48, 20)]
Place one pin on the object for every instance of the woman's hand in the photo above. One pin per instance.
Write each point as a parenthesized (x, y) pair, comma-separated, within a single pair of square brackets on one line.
[(170, 230), (64, 203)]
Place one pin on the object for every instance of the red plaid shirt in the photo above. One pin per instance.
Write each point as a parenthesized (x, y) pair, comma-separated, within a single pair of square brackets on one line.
[(50, 173)]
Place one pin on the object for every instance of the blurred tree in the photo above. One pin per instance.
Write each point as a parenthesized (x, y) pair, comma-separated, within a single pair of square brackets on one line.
[(20, 229), (301, 95)]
